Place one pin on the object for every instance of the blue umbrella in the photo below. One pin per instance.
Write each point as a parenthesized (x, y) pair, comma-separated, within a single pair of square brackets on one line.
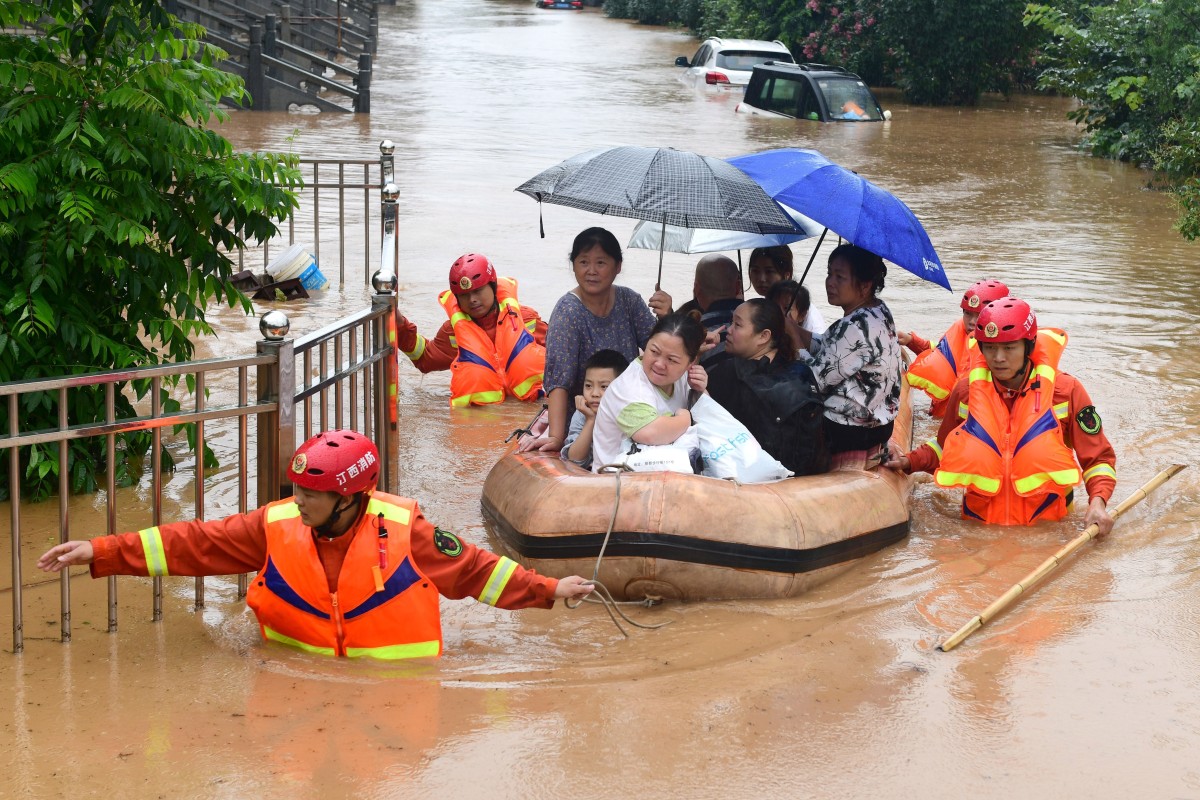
[(849, 205)]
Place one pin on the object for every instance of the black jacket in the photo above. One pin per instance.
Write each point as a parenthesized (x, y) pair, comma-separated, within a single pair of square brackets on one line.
[(778, 405)]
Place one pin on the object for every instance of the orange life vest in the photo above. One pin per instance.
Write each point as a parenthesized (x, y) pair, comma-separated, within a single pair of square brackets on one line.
[(1015, 466), (937, 369), (291, 597), (485, 370)]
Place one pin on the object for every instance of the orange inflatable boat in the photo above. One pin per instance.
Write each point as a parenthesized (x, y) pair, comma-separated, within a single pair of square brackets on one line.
[(689, 537)]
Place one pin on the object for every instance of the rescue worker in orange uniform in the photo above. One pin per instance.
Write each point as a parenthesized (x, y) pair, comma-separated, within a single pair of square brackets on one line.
[(343, 569), (937, 368), (1019, 419), (493, 346)]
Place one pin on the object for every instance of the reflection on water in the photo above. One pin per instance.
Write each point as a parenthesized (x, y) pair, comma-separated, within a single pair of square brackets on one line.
[(1089, 683)]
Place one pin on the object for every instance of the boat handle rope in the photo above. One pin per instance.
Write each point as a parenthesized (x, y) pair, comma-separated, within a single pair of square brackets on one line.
[(606, 599)]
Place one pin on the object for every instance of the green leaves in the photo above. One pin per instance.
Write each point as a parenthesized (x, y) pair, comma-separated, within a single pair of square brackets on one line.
[(117, 203), (1134, 67)]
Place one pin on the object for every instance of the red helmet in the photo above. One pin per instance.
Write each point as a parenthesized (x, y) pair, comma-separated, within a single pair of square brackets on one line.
[(470, 272), (345, 462), (1006, 320), (982, 293)]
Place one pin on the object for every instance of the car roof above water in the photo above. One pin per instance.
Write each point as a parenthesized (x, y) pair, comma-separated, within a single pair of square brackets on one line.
[(748, 44), (809, 67)]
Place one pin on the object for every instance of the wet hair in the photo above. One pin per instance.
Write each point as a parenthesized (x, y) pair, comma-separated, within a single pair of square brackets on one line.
[(865, 266), (780, 257), (686, 328), (797, 296), (592, 237), (765, 314), (606, 359)]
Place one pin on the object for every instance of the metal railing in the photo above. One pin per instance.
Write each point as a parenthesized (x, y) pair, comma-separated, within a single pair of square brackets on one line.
[(326, 183), (343, 375), (279, 54)]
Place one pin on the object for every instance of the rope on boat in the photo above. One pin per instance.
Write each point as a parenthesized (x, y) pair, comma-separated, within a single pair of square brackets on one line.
[(606, 598)]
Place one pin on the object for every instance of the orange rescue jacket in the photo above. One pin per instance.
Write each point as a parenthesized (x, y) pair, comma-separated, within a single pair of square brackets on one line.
[(936, 370), (1015, 466), (485, 370), (390, 616)]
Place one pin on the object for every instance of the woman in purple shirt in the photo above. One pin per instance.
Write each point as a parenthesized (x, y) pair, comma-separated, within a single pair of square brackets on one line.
[(595, 315)]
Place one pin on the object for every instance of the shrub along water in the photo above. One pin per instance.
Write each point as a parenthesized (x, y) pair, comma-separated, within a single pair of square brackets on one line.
[(118, 204), (1134, 66)]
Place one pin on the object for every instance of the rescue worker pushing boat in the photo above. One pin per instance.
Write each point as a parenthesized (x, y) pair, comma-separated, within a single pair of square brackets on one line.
[(493, 346), (1018, 419), (938, 367), (343, 569)]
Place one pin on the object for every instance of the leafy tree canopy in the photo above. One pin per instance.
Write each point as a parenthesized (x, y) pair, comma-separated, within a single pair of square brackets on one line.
[(118, 201)]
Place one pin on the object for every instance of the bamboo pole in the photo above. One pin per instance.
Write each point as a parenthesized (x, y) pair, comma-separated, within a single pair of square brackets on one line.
[(1052, 563)]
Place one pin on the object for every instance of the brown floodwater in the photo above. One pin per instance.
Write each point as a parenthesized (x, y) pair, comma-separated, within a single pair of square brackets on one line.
[(1088, 687)]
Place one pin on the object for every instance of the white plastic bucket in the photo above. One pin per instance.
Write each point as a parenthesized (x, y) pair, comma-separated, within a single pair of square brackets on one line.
[(298, 262)]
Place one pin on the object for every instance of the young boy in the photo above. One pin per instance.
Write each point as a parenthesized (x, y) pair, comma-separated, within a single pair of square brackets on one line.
[(598, 372)]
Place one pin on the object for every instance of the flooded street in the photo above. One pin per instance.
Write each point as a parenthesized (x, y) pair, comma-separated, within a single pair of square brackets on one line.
[(1088, 687)]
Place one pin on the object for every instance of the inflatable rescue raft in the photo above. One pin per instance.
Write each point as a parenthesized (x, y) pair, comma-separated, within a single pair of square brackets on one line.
[(690, 537)]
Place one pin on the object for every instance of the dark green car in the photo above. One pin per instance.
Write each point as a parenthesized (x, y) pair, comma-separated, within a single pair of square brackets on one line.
[(817, 92)]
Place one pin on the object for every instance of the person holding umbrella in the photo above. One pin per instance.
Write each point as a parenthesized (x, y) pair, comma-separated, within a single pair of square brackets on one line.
[(857, 363), (595, 315), (493, 346)]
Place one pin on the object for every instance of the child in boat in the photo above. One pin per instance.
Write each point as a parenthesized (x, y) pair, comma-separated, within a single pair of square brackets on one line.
[(598, 372), (795, 302), (649, 402)]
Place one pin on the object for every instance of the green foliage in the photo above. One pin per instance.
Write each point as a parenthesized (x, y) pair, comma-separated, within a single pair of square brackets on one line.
[(1134, 66), (118, 204), (950, 53), (657, 12), (1178, 157), (938, 52)]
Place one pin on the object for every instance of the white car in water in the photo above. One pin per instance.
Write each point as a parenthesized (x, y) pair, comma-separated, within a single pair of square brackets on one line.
[(729, 62)]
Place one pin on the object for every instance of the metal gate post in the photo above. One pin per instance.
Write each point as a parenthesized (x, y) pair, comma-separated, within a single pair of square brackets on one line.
[(276, 429), (386, 370)]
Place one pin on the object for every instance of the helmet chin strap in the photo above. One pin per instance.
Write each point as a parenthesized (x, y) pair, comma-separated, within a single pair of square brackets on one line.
[(325, 529)]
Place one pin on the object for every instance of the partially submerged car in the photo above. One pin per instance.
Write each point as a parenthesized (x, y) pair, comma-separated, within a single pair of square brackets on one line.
[(729, 62), (569, 5), (817, 92)]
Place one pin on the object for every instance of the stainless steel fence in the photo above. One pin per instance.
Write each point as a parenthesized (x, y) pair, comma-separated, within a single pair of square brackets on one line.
[(342, 376), (344, 235)]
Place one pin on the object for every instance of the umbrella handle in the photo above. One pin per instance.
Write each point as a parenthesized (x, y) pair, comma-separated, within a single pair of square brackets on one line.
[(813, 257), (662, 243)]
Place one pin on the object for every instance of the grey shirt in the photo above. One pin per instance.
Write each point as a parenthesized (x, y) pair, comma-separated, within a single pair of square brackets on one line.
[(575, 334)]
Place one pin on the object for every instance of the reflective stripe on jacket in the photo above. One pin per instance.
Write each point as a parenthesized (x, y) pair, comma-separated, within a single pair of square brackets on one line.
[(484, 371), (936, 370), (291, 594), (1014, 464)]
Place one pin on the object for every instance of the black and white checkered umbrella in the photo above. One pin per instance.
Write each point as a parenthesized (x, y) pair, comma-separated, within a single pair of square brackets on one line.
[(663, 185)]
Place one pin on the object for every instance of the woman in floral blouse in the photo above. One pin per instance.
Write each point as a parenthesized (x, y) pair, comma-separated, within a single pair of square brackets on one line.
[(857, 363)]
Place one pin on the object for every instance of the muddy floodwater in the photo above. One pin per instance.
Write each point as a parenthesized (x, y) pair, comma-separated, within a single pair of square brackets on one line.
[(1089, 687)]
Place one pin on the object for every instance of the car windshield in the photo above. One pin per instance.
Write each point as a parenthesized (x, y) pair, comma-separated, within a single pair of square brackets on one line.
[(746, 59), (849, 99)]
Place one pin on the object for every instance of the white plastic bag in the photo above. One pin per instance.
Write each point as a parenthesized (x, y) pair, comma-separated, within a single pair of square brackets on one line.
[(674, 457), (728, 448)]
